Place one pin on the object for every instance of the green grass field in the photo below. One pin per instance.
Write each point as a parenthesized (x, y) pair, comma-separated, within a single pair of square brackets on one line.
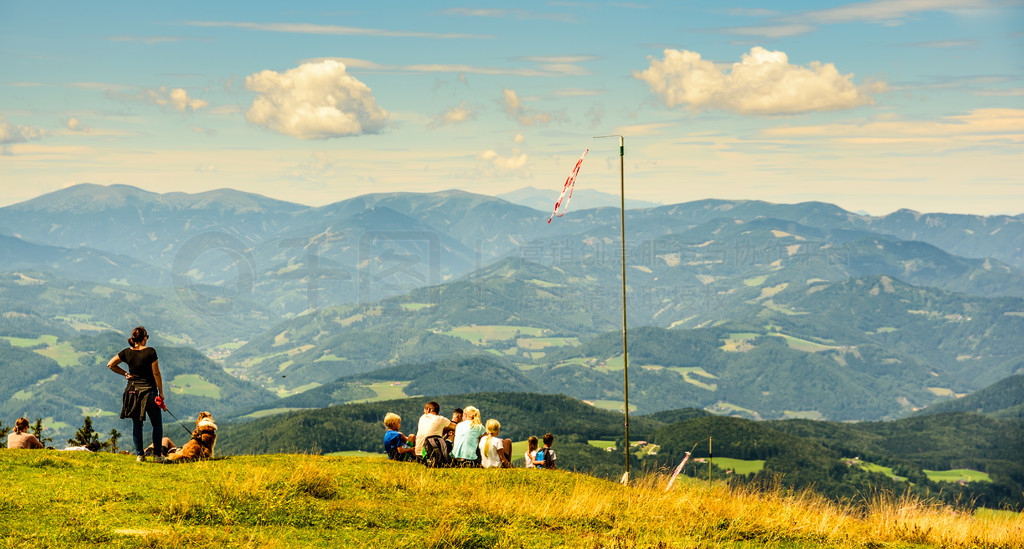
[(613, 405), (48, 340), (64, 354), (953, 475), (192, 384), (79, 499), (956, 475), (803, 344), (874, 468), (386, 390), (689, 374), (268, 412), (739, 466), (536, 343), (737, 342)]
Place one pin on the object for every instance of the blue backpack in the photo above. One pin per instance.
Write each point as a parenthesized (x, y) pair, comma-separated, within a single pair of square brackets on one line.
[(547, 457)]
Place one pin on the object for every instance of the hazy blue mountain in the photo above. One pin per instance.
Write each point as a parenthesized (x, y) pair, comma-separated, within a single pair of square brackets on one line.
[(582, 199), (40, 304), (295, 297), (149, 226), (87, 263)]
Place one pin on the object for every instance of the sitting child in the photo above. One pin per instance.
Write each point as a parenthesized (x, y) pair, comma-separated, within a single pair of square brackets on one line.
[(546, 456), (396, 445), (531, 453), (495, 452)]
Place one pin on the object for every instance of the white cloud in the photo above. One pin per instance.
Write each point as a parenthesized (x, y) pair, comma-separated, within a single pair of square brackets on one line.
[(455, 115), (177, 98), (527, 116), (504, 164), (76, 125), (9, 133), (764, 82), (314, 101), (519, 138)]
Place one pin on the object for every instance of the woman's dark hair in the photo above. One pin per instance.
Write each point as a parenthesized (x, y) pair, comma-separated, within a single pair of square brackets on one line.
[(138, 336), (21, 425)]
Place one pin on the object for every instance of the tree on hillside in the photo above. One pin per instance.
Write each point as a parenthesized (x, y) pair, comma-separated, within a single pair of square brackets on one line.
[(111, 444), (37, 430), (4, 430), (85, 435)]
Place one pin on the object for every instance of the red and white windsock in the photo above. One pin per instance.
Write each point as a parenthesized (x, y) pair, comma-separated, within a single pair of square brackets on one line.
[(676, 473), (568, 188)]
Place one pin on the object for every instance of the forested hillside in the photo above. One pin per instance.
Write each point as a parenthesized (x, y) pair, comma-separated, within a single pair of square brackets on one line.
[(841, 460)]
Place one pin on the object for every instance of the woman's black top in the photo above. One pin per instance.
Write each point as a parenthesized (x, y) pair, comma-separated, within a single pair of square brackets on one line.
[(142, 386), (140, 363)]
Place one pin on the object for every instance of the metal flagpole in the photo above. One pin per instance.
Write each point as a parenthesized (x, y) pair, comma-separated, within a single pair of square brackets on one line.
[(622, 234)]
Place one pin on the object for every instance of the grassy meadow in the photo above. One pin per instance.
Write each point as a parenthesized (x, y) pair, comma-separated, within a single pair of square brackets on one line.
[(54, 499)]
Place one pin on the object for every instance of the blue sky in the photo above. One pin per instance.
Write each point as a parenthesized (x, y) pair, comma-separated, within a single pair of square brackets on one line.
[(873, 106)]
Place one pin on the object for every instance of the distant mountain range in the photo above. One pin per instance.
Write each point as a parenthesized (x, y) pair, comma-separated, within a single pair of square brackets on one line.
[(755, 309), (582, 199)]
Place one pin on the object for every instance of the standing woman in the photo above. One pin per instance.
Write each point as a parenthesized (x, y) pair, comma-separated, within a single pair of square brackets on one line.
[(144, 394)]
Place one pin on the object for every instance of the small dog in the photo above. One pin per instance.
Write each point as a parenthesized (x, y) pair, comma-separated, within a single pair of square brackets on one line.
[(203, 440)]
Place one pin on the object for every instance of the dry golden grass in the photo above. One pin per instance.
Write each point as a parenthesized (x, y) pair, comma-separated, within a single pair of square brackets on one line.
[(284, 501)]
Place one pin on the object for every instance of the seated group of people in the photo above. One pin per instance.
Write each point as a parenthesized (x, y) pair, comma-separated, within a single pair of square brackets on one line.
[(462, 441)]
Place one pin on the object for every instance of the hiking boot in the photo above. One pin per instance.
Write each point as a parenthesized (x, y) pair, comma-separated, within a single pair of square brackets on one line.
[(159, 459), (140, 459)]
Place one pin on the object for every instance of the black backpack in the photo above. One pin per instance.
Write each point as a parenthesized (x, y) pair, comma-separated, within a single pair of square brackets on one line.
[(436, 452), (548, 456)]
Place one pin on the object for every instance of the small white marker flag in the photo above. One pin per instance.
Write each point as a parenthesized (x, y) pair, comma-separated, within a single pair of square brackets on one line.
[(568, 188)]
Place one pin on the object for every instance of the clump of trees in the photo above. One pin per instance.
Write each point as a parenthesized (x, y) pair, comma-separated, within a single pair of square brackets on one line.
[(88, 437)]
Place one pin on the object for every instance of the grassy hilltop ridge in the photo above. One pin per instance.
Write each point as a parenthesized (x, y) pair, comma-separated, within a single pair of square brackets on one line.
[(70, 500)]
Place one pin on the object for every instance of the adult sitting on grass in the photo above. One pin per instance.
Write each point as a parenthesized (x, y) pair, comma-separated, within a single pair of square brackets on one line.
[(494, 451), (21, 438), (168, 445), (396, 445), (467, 438), (428, 433)]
